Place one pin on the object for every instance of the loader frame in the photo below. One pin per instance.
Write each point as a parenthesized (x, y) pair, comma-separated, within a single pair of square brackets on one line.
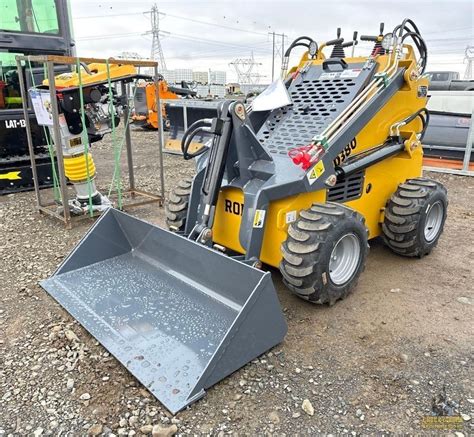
[(147, 293), (261, 178)]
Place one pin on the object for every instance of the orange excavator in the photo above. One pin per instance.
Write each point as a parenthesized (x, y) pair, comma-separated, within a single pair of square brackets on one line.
[(146, 114)]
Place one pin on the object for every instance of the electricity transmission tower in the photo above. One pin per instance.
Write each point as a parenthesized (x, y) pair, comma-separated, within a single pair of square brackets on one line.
[(245, 69), (155, 32), (469, 59)]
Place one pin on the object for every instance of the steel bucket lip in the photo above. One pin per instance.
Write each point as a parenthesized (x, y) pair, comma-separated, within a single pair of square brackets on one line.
[(115, 211)]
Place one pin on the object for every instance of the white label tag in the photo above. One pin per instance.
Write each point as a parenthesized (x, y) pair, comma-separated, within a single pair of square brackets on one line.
[(259, 218), (351, 73), (332, 75), (41, 102), (290, 217)]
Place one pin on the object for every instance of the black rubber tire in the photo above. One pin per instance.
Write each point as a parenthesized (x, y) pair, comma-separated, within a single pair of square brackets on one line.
[(176, 207), (405, 216), (308, 247)]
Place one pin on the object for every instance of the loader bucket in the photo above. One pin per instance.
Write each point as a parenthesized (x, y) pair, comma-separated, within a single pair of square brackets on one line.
[(179, 316)]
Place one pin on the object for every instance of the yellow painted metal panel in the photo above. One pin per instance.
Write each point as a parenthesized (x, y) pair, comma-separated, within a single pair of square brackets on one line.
[(381, 180)]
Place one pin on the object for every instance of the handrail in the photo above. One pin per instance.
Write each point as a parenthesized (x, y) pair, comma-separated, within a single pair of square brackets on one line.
[(365, 97)]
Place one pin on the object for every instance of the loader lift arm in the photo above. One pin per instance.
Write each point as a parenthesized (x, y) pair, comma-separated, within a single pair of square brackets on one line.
[(221, 129)]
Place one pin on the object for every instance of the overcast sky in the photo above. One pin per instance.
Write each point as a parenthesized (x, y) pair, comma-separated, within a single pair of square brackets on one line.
[(211, 34)]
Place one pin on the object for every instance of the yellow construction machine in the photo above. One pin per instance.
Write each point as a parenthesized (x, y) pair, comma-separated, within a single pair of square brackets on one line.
[(324, 160), (145, 113), (90, 91)]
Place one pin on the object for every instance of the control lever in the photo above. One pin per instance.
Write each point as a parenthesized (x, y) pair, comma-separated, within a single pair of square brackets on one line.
[(333, 42), (369, 38), (374, 38), (354, 38), (352, 43), (348, 44)]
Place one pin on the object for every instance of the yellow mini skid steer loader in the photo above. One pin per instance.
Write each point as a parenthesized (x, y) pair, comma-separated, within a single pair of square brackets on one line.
[(301, 187)]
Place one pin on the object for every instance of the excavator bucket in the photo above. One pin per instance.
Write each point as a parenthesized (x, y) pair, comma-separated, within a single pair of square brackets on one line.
[(179, 316)]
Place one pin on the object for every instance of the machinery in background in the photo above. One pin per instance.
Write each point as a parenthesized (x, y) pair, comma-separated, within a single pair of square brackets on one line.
[(92, 90), (183, 113), (28, 28), (98, 102), (448, 81), (325, 161), (145, 112), (447, 143)]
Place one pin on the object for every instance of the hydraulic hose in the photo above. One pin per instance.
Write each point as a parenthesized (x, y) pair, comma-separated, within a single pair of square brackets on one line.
[(421, 47), (409, 29), (197, 127), (424, 116), (297, 42)]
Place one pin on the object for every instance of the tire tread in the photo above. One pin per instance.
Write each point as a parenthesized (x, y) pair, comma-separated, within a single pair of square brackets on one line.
[(301, 265), (176, 208), (403, 214)]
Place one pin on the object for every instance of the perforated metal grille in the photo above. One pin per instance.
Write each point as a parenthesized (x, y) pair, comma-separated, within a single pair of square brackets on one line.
[(316, 102), (348, 189)]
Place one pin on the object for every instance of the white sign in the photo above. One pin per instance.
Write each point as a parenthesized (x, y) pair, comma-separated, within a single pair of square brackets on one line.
[(290, 217), (351, 73), (274, 96), (42, 106), (259, 218)]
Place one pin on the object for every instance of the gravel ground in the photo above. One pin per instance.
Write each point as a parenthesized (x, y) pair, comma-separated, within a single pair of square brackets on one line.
[(374, 363)]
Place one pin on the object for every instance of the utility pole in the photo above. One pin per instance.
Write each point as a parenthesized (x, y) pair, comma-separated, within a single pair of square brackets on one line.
[(277, 49), (469, 59), (283, 36), (273, 55), (156, 49)]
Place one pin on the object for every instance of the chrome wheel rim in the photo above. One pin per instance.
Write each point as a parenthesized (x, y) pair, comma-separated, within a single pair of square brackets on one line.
[(434, 220), (344, 259)]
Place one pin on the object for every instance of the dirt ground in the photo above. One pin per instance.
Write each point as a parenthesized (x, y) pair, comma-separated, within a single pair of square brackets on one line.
[(373, 363)]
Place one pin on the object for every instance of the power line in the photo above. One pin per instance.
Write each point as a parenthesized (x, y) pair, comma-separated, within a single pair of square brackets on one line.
[(215, 24), (457, 38), (93, 17), (208, 41), (179, 17), (107, 36), (186, 37), (446, 31), (223, 53)]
